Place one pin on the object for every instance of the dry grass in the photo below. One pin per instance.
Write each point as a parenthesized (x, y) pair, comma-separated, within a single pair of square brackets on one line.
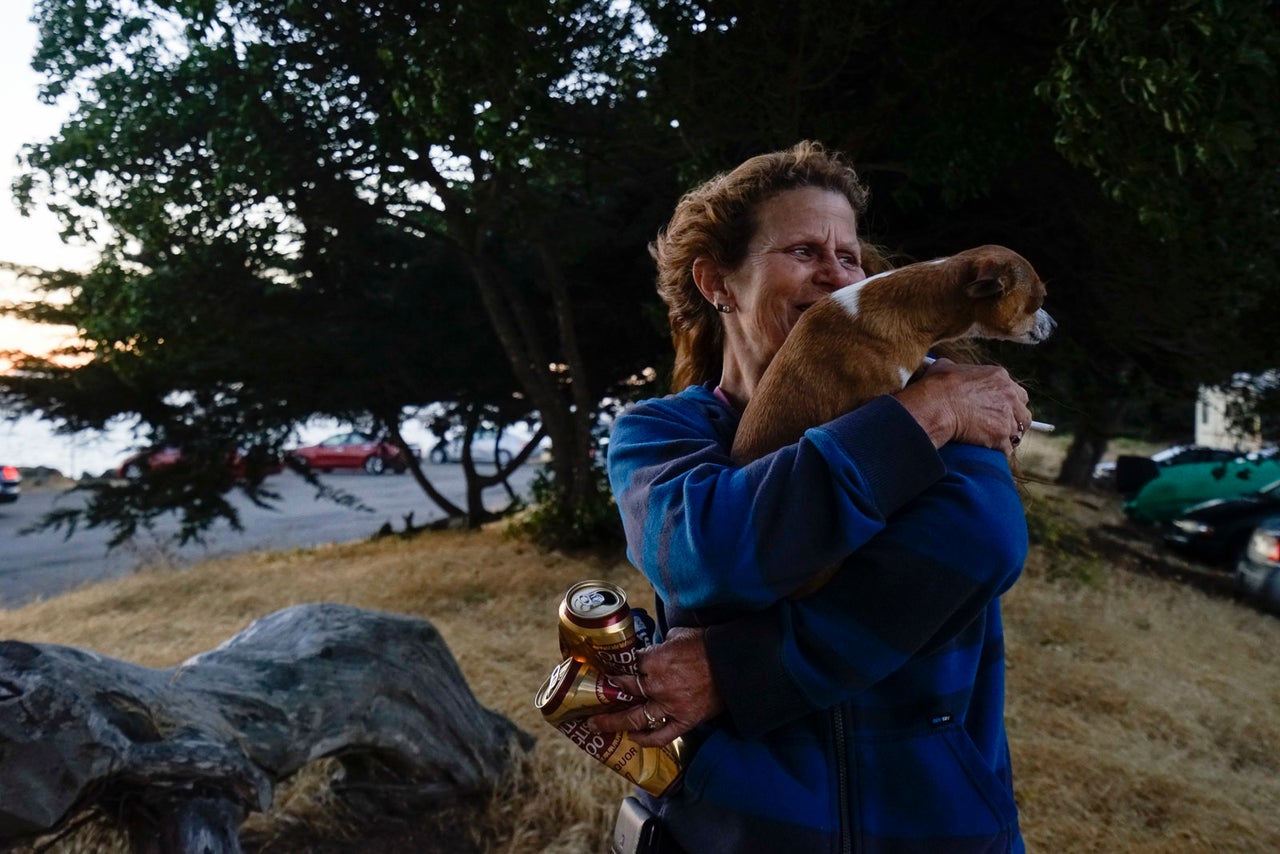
[(493, 599), (1144, 714)]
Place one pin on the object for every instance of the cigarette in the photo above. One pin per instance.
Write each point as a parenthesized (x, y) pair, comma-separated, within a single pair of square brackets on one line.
[(1038, 426)]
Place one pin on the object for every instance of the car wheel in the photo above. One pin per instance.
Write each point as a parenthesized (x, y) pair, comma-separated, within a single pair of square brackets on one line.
[(1269, 595), (438, 455), (1238, 550), (134, 471), (375, 465)]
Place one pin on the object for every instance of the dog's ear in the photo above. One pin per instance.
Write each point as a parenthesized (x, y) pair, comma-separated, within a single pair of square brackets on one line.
[(992, 286)]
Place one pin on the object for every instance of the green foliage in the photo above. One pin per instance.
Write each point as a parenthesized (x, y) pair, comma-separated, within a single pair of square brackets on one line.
[(342, 210), (1069, 554), (931, 99), (1159, 100), (1174, 108), (555, 523)]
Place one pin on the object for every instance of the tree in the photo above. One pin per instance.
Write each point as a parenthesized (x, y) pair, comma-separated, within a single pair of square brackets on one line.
[(1173, 108), (289, 193), (538, 147)]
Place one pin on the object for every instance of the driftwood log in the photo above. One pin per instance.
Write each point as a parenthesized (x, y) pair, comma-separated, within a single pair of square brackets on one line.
[(186, 752)]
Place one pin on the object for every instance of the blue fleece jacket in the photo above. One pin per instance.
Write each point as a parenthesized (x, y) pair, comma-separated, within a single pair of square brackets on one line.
[(867, 716)]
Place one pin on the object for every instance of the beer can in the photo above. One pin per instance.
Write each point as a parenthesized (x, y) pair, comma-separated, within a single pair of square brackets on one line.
[(575, 689), (596, 626), (654, 769)]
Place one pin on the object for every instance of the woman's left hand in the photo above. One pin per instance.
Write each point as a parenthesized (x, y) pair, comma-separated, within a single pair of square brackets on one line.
[(676, 691)]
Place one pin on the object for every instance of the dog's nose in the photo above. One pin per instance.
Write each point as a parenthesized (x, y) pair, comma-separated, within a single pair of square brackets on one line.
[(1045, 324)]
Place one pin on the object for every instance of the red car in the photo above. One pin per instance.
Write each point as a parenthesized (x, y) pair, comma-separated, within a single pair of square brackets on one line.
[(354, 450), (10, 484), (137, 465)]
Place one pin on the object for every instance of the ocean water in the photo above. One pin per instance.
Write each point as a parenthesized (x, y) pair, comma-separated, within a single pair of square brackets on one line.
[(28, 442)]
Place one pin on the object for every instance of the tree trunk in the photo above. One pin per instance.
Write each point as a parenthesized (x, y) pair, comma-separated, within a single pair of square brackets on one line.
[(578, 469), (566, 417), (1086, 449), (184, 753), (1089, 443), (450, 509)]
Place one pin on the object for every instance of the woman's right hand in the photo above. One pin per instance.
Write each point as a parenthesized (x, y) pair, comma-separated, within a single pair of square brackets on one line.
[(972, 404)]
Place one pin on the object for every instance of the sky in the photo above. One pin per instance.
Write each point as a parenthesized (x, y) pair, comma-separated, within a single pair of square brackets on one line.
[(25, 240)]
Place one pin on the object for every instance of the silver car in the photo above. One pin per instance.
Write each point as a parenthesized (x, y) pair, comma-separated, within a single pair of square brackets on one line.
[(487, 446)]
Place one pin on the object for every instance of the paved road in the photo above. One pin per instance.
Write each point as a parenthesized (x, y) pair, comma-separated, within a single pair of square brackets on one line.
[(42, 565)]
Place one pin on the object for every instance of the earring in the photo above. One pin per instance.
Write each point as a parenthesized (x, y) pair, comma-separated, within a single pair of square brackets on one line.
[(723, 309)]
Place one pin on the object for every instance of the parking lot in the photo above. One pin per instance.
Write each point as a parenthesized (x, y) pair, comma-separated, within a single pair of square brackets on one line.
[(46, 564)]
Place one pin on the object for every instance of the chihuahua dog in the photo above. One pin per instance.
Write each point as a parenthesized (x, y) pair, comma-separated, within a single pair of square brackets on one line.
[(870, 338)]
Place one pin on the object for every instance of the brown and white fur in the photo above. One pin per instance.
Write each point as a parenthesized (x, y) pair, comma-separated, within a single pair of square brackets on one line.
[(869, 338)]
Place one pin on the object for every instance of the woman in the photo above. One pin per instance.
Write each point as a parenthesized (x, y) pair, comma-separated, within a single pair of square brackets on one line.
[(869, 715)]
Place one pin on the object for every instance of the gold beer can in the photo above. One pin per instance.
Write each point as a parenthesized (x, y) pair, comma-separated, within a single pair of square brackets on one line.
[(575, 689), (654, 769), (596, 626)]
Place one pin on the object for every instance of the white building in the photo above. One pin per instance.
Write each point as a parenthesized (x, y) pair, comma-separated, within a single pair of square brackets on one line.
[(1215, 412)]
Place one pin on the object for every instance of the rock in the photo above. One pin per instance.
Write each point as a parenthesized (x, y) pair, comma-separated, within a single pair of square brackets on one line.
[(199, 745)]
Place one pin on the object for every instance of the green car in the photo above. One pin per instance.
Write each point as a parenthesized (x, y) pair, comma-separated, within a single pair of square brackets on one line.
[(1176, 488)]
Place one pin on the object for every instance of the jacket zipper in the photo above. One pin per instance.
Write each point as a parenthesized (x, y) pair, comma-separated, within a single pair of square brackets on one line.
[(842, 780)]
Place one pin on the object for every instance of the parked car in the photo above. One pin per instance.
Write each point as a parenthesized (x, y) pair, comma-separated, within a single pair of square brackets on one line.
[(486, 447), (1258, 570), (137, 465), (10, 484), (1128, 473), (1219, 530), (1178, 488), (352, 450)]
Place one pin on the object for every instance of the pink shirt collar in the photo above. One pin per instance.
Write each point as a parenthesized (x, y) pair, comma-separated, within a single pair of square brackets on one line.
[(723, 398)]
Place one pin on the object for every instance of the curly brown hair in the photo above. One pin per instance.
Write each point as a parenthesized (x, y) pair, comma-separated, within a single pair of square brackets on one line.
[(716, 220)]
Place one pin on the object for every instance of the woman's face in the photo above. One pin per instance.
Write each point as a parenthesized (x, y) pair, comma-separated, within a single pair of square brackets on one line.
[(805, 246)]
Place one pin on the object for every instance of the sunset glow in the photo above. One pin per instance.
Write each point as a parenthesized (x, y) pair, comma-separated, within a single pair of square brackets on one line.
[(26, 240)]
